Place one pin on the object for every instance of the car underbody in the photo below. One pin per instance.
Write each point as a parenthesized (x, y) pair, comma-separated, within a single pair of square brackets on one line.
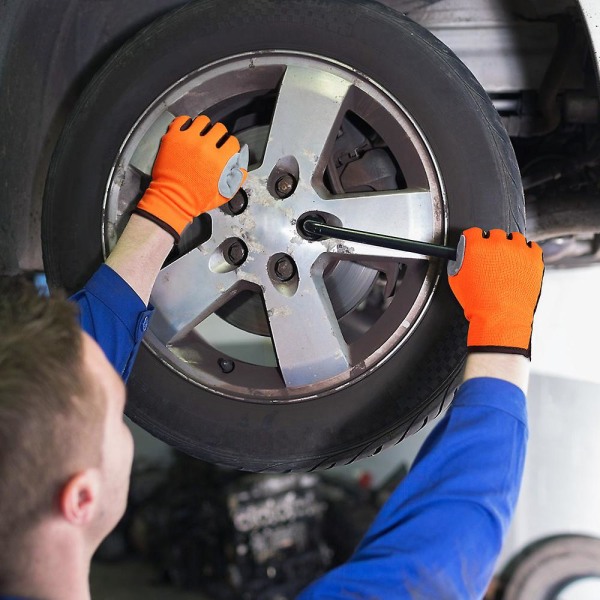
[(535, 61)]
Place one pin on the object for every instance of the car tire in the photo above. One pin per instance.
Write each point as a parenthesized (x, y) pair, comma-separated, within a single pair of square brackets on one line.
[(464, 133), (546, 568)]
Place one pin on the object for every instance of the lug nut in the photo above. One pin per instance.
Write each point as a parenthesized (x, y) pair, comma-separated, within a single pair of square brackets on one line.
[(284, 268), (236, 253), (237, 205), (226, 365), (285, 186)]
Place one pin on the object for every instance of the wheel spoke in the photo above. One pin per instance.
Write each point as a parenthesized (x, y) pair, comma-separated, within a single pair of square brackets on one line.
[(186, 292), (306, 334), (307, 117), (145, 154), (408, 214)]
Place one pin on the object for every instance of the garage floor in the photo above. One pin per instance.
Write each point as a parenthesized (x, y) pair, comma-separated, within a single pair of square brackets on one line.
[(133, 580)]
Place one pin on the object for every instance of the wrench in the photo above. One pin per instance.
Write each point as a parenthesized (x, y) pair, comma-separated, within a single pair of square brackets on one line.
[(316, 230)]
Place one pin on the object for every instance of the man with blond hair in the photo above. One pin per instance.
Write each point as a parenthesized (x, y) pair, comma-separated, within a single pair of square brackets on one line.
[(65, 451)]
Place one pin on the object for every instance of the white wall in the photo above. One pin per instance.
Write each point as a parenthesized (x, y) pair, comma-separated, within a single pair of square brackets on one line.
[(561, 487), (567, 325)]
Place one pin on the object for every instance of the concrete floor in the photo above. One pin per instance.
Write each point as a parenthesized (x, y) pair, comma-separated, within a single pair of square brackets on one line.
[(133, 580)]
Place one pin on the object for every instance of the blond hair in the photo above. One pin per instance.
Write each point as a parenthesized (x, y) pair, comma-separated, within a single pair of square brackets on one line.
[(50, 412)]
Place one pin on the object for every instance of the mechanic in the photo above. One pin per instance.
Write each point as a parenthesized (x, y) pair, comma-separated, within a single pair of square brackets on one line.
[(66, 453)]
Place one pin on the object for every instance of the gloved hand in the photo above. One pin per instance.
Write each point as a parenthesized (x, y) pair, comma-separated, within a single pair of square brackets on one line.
[(497, 278), (192, 174)]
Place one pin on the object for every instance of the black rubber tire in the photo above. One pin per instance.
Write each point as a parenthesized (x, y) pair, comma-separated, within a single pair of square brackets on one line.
[(546, 567), (466, 136)]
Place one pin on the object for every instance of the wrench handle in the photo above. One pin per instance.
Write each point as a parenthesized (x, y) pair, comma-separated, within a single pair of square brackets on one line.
[(376, 239)]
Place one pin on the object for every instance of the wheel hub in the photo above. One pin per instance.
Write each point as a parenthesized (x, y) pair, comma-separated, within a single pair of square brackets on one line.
[(348, 283)]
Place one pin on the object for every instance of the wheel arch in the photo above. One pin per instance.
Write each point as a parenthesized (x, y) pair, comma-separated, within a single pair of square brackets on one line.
[(41, 83), (591, 13)]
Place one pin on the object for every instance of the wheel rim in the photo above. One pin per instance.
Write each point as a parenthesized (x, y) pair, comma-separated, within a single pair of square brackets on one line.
[(212, 313)]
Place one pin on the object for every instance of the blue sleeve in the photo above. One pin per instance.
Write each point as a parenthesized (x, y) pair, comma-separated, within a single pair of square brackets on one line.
[(115, 316), (440, 533)]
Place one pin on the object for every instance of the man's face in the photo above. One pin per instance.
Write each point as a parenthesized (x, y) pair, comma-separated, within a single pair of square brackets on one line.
[(117, 442)]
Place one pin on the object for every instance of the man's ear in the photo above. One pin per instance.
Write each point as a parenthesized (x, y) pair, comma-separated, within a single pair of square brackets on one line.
[(78, 498)]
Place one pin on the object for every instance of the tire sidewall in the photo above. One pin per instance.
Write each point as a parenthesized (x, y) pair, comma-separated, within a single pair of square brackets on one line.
[(547, 566)]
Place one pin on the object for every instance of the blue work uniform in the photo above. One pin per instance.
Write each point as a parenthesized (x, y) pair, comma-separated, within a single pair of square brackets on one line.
[(115, 316), (440, 533)]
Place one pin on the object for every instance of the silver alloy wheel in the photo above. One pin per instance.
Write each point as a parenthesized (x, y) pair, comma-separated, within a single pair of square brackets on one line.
[(317, 342)]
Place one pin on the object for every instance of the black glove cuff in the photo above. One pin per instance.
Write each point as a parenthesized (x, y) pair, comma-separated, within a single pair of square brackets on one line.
[(157, 221), (501, 350)]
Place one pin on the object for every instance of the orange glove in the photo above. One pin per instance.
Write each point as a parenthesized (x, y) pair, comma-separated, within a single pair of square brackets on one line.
[(192, 174), (497, 278)]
